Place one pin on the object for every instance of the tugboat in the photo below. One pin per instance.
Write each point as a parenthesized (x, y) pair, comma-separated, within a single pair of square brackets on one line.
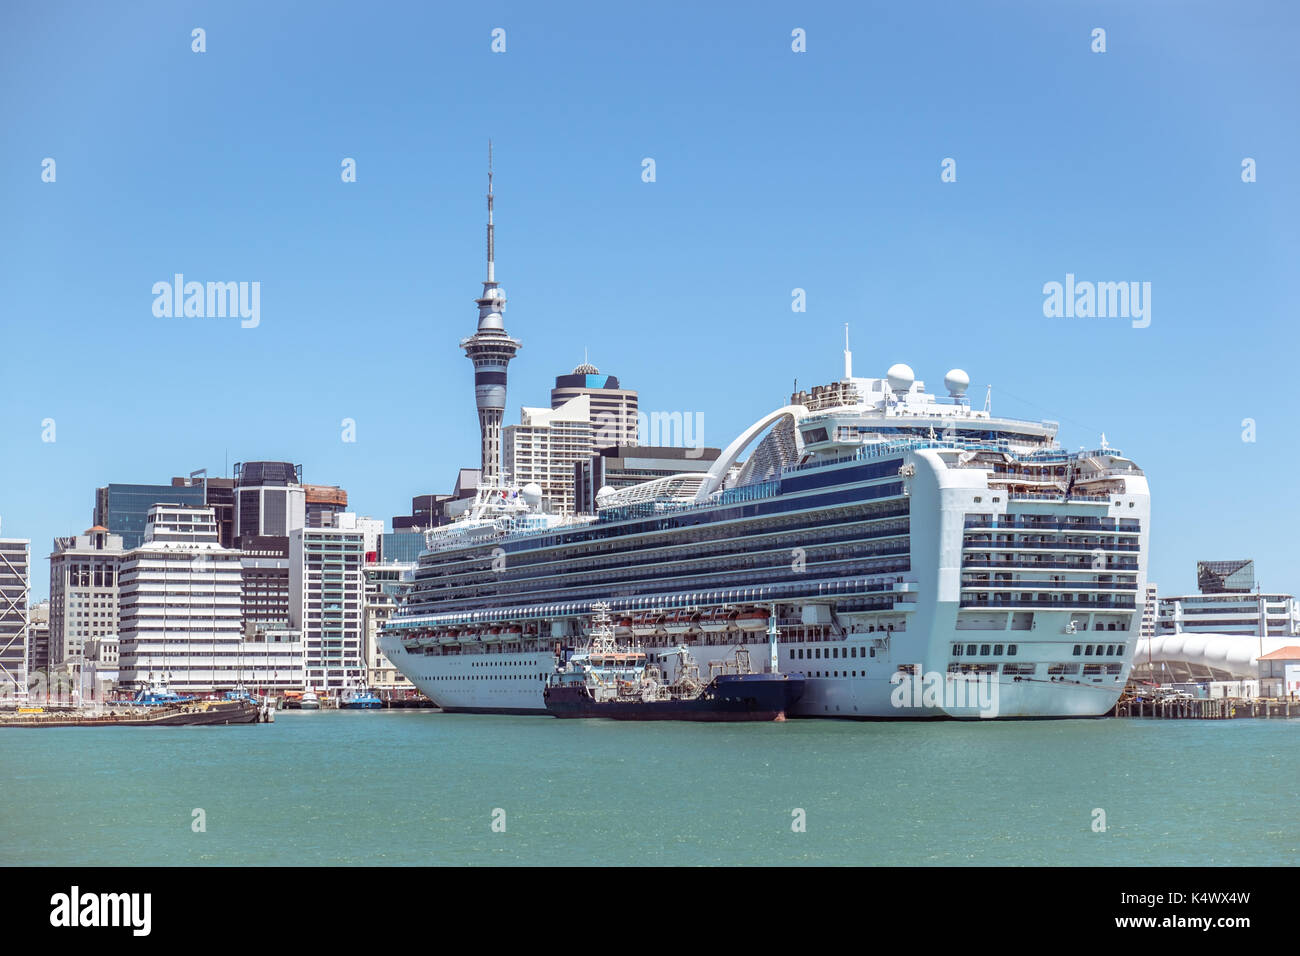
[(605, 679), (360, 698), (158, 694)]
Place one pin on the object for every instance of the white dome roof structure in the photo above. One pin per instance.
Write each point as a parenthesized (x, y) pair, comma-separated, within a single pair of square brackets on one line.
[(532, 493)]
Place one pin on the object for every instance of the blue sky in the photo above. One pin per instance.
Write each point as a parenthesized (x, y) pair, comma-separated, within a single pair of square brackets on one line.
[(774, 170)]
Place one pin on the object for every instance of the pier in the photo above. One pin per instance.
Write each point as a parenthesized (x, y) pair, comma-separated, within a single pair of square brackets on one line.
[(1207, 708)]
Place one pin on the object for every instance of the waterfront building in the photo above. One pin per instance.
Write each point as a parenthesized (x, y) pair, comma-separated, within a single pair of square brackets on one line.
[(327, 587), (490, 349), (613, 408), (545, 448), (1254, 614), (265, 594), (384, 585), (269, 499), (322, 503), (84, 595), (1279, 673), (38, 638), (180, 603), (1150, 611), (623, 466), (15, 588), (121, 509)]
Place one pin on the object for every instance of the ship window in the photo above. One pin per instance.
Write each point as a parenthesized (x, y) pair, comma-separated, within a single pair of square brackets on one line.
[(956, 650), (1077, 650), (873, 652), (1087, 651), (984, 649), (1119, 649), (997, 650), (1011, 650), (970, 650)]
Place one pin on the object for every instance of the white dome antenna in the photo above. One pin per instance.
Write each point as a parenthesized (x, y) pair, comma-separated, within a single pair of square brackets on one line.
[(900, 379), (956, 382)]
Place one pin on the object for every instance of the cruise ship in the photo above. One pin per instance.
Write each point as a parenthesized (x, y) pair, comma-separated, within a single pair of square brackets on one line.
[(913, 556)]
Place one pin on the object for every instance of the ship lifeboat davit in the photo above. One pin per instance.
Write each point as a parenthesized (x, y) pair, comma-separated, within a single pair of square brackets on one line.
[(683, 622), (718, 621), (752, 621), (646, 625)]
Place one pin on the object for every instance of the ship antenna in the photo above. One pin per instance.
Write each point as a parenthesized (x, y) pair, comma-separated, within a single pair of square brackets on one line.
[(848, 356)]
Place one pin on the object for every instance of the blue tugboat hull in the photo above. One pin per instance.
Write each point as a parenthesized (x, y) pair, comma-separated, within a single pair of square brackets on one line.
[(731, 697)]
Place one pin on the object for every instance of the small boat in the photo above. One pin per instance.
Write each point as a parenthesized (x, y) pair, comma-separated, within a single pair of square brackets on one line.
[(158, 694), (717, 622), (360, 698), (309, 700), (605, 679)]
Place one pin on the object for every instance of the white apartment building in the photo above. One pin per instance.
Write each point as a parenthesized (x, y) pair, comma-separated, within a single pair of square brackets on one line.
[(384, 583), (326, 604), (545, 448)]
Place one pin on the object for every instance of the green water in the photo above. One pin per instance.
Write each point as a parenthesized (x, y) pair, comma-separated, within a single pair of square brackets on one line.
[(419, 787)]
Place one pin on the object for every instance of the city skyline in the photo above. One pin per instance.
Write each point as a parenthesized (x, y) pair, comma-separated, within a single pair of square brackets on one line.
[(681, 286)]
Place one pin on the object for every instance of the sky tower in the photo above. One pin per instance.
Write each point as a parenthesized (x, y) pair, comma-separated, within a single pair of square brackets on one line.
[(490, 349)]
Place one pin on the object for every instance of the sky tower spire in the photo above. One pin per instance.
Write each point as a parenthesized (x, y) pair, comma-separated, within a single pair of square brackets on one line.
[(490, 349)]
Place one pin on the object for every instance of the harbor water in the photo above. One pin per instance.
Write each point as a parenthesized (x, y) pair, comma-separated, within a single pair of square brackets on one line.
[(421, 787)]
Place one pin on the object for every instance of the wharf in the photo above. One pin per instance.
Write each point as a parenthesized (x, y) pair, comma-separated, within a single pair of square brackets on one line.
[(1207, 708)]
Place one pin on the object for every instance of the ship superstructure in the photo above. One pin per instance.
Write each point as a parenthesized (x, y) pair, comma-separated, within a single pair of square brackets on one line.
[(924, 558)]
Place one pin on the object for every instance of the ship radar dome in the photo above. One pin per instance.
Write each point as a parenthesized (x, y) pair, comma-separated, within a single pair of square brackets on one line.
[(532, 493), (956, 381), (900, 378), (604, 492)]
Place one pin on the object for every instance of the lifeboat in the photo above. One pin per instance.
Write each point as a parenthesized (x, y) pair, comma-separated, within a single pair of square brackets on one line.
[(623, 627), (716, 622), (646, 625), (752, 621), (514, 632), (493, 635), (683, 622), (449, 636)]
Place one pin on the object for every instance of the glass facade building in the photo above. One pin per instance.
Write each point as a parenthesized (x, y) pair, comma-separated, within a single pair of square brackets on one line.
[(122, 508)]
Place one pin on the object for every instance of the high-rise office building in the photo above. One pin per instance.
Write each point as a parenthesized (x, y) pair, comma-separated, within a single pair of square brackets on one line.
[(15, 587), (269, 499), (84, 593), (264, 589), (122, 508), (613, 409), (327, 583), (323, 502)]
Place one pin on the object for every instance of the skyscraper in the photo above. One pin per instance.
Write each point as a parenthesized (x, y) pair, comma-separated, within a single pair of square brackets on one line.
[(490, 349), (15, 582)]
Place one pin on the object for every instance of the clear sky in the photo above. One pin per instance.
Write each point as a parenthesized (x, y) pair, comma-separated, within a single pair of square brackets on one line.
[(775, 170)]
